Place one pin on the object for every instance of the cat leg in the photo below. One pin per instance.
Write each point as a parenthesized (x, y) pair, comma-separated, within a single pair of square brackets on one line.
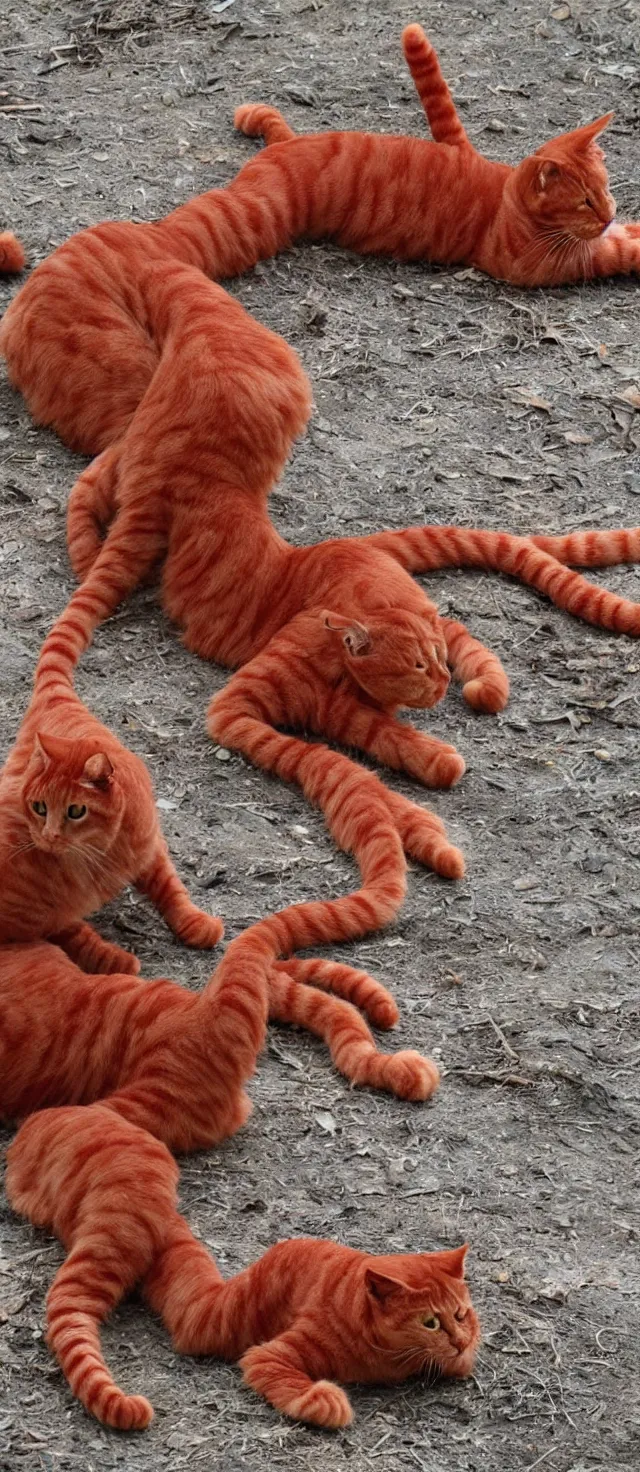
[(405, 1074), (615, 253), (423, 836), (90, 509), (167, 892), (485, 685), (94, 954), (276, 1371), (344, 981), (391, 741), (258, 120)]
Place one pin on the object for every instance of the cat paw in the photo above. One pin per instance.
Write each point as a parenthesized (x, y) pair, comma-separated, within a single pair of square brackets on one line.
[(123, 963), (448, 767), (486, 695), (448, 861), (124, 1412), (324, 1404), (199, 930), (409, 1076)]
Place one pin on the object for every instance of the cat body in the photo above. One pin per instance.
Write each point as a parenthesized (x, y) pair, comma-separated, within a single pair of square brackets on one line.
[(78, 821), (159, 1050), (306, 1310)]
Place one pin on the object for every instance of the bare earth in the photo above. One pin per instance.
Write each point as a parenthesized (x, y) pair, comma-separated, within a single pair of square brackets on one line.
[(439, 397)]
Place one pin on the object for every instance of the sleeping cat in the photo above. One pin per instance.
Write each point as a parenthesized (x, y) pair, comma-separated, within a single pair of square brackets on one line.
[(78, 822), (78, 340), (307, 1310), (331, 638)]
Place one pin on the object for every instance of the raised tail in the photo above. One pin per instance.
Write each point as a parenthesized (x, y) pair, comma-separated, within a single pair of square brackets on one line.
[(422, 549), (12, 256), (258, 120), (432, 89), (108, 1190)]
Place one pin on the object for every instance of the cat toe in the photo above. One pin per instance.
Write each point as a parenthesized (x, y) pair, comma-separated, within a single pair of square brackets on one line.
[(485, 696), (202, 931)]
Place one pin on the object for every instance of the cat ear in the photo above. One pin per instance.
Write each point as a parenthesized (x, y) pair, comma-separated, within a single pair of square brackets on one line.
[(381, 1287), (356, 637), (40, 748), (453, 1261), (97, 770), (546, 170), (581, 138)]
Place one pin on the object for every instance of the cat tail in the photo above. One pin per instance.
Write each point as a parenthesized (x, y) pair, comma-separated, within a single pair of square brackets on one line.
[(593, 548), (258, 120), (12, 256), (421, 549), (108, 1190), (90, 509), (485, 685), (434, 94), (405, 1074)]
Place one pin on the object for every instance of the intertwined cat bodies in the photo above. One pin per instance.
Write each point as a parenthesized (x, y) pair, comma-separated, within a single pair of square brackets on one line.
[(306, 1310)]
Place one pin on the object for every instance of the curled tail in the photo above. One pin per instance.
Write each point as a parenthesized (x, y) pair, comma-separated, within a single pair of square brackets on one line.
[(352, 1047), (432, 89), (258, 120), (108, 1190), (12, 256), (422, 549)]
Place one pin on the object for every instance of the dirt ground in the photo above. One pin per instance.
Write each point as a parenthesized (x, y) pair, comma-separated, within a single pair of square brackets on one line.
[(439, 397)]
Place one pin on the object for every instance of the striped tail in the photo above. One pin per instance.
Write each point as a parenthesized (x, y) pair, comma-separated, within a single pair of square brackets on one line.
[(432, 89), (12, 256), (421, 549), (593, 548), (108, 1190), (357, 987), (405, 1074), (258, 120)]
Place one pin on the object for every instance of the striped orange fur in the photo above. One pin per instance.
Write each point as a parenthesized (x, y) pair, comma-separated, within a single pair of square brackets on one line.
[(77, 337), (12, 256), (432, 89), (306, 1310), (78, 822), (311, 1312)]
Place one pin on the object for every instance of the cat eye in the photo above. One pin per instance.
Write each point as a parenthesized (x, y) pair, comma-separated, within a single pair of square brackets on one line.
[(432, 1322), (589, 203), (77, 810), (40, 808)]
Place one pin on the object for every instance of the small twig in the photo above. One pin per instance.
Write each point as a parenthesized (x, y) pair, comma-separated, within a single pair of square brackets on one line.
[(493, 1076), (538, 1460), (500, 1035)]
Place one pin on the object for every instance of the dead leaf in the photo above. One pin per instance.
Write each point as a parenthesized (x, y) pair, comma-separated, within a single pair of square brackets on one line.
[(631, 396), (561, 12), (573, 438), (527, 396)]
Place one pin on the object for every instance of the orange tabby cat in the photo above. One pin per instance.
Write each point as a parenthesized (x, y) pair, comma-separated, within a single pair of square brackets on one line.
[(306, 1310), (78, 821)]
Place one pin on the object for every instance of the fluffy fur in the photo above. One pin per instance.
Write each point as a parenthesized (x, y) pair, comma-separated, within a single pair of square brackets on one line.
[(305, 1311), (173, 1060), (78, 822), (78, 340)]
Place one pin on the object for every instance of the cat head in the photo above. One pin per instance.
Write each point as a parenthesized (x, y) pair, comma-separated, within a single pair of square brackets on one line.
[(564, 186), (71, 797), (419, 1310), (398, 658)]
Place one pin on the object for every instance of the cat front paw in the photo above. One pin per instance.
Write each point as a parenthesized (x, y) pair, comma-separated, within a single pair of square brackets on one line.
[(199, 930), (324, 1404), (123, 963)]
